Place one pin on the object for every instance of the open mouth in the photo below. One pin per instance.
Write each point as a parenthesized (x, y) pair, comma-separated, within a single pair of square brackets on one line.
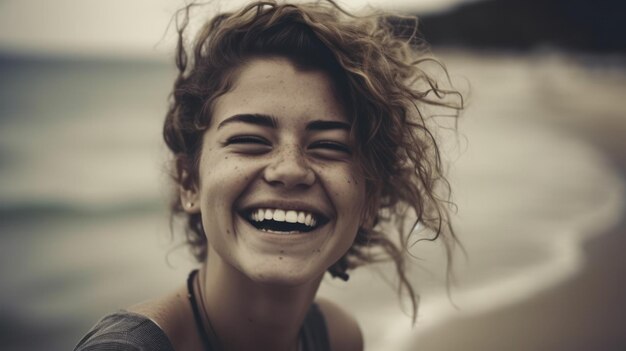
[(284, 221)]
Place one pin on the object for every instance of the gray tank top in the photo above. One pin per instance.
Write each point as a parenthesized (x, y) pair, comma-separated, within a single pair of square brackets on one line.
[(126, 331)]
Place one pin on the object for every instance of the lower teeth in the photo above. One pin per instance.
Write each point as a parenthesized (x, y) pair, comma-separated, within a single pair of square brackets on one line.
[(278, 232)]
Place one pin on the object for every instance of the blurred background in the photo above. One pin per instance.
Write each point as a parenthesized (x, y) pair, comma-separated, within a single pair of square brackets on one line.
[(537, 167)]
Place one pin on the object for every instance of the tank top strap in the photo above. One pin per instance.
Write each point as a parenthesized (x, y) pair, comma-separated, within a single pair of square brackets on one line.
[(314, 334)]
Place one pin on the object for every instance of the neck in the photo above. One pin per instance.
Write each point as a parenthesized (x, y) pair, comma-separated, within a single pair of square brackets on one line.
[(245, 314)]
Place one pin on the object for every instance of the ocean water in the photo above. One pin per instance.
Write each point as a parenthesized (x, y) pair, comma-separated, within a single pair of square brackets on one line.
[(84, 186)]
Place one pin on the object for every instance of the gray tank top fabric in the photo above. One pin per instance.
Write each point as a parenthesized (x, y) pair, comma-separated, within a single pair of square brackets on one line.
[(126, 331)]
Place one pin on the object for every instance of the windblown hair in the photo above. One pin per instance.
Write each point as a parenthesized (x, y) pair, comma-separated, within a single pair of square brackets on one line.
[(379, 76)]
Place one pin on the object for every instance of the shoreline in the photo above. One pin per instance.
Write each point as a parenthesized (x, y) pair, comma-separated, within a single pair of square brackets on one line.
[(584, 311)]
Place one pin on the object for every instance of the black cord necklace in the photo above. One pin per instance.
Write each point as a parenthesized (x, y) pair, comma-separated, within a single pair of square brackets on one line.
[(206, 340)]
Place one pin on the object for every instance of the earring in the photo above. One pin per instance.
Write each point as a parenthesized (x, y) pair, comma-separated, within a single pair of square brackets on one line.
[(338, 270)]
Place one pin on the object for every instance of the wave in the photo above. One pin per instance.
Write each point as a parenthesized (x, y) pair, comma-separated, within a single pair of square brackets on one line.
[(19, 212)]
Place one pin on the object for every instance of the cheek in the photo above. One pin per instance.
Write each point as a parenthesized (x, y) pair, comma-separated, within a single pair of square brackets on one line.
[(222, 180), (218, 171), (347, 189)]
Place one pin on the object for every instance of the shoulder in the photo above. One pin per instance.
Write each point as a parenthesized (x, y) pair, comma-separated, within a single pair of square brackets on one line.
[(125, 331), (161, 324), (344, 332), (173, 315), (168, 312)]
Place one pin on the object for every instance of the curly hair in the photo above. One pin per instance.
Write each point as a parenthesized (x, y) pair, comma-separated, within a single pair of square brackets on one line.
[(376, 67)]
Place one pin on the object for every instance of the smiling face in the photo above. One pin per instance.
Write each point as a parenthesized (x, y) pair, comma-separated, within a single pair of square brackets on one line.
[(280, 194)]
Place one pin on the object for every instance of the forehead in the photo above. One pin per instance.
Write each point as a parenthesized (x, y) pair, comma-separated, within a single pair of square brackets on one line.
[(277, 87)]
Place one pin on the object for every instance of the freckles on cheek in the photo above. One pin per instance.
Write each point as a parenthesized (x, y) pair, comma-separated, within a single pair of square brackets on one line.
[(355, 179)]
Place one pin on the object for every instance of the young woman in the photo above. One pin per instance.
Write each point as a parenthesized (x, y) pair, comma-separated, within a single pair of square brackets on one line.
[(297, 135)]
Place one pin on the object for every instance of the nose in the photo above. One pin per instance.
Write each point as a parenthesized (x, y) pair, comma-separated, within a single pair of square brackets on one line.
[(289, 169)]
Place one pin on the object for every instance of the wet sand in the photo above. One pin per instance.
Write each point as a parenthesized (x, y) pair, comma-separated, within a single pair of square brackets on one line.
[(586, 313)]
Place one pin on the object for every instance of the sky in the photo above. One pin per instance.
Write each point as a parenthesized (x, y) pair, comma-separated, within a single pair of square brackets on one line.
[(121, 27)]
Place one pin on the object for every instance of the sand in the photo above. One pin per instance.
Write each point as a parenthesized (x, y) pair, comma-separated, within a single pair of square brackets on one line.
[(588, 310)]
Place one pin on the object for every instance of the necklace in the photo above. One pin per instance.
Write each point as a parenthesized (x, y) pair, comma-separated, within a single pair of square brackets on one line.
[(202, 331)]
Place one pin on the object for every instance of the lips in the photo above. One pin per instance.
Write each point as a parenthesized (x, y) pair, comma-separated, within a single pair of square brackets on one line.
[(287, 221)]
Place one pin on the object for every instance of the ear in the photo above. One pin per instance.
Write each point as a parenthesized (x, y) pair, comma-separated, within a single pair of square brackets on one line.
[(189, 195), (190, 200), (187, 190)]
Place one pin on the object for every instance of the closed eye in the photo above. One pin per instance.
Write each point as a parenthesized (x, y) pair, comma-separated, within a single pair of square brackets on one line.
[(247, 139), (332, 146), (248, 144)]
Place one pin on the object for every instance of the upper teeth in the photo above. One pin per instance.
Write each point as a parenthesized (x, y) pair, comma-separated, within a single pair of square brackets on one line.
[(278, 215)]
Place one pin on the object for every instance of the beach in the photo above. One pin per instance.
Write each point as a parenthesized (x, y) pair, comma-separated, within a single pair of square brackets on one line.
[(586, 311), (538, 168)]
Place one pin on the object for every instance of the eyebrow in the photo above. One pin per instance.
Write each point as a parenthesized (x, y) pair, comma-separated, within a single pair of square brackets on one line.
[(327, 125), (272, 122), (252, 118)]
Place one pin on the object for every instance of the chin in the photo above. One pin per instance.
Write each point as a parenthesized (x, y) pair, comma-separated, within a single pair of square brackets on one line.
[(290, 275)]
